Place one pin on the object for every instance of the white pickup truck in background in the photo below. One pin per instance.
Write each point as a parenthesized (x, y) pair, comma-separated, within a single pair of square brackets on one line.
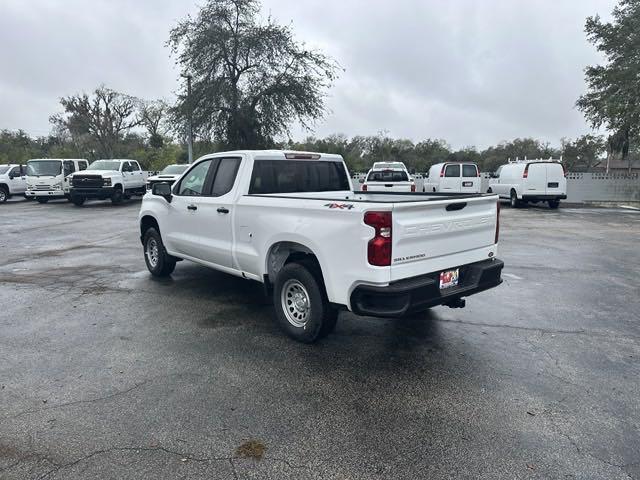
[(291, 221), (13, 181), (117, 179), (388, 177)]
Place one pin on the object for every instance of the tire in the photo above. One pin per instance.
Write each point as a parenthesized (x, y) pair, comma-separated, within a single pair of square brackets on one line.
[(42, 199), (77, 200), (490, 191), (302, 309), (4, 194), (158, 261), (117, 196), (513, 199), (553, 204)]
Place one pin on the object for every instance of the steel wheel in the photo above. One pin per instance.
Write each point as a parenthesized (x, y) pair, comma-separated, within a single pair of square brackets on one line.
[(153, 252), (295, 303), (3, 195)]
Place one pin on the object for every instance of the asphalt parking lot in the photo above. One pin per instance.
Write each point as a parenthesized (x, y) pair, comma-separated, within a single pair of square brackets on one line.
[(107, 373)]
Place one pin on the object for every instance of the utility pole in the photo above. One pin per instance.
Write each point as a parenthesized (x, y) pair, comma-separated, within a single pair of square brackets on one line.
[(190, 107)]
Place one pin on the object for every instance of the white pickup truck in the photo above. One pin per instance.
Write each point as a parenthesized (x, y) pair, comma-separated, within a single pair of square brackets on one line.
[(291, 221), (116, 179), (12, 181), (388, 177)]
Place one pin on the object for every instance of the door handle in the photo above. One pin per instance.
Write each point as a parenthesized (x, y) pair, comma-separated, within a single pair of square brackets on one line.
[(223, 210), (192, 207)]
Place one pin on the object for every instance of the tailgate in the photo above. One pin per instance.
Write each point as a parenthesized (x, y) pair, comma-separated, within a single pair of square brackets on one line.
[(389, 187), (434, 235)]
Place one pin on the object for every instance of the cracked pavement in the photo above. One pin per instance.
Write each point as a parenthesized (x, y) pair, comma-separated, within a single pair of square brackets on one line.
[(107, 373)]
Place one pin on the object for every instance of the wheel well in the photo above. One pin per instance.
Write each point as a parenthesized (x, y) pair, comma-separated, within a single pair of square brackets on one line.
[(5, 186), (283, 253), (490, 190), (146, 223)]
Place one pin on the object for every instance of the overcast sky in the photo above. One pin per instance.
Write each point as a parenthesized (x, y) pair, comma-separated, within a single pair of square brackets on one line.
[(470, 72)]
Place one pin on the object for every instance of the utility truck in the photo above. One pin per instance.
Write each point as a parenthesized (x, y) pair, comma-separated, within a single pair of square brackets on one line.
[(292, 221)]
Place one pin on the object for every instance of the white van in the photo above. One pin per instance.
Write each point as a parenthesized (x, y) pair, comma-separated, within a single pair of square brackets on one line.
[(47, 177), (523, 181), (453, 177)]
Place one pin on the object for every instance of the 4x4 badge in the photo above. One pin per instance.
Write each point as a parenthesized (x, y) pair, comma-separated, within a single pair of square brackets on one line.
[(341, 206)]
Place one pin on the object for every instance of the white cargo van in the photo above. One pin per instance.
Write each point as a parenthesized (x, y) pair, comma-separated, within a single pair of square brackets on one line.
[(47, 177), (523, 181), (453, 178)]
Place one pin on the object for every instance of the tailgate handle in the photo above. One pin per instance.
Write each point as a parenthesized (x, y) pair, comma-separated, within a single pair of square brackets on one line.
[(452, 207), (388, 184)]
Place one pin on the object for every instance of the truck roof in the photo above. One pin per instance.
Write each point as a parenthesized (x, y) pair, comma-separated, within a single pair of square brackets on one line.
[(281, 155)]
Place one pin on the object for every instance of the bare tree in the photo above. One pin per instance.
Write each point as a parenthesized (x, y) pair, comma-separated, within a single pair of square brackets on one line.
[(105, 117), (153, 116)]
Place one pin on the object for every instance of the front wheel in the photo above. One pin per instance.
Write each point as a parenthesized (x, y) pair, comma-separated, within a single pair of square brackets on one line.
[(4, 194), (554, 204), (302, 309), (77, 200), (42, 199), (158, 261), (117, 196)]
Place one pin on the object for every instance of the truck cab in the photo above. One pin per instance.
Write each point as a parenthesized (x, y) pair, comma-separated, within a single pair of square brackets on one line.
[(48, 178), (13, 181)]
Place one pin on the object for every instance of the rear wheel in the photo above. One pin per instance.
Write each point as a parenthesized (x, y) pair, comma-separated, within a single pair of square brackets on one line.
[(302, 309), (513, 199), (554, 204), (4, 194), (42, 199), (158, 261), (117, 196), (490, 191)]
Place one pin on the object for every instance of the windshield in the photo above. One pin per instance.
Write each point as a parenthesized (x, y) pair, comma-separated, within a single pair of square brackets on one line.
[(174, 170), (39, 168), (105, 165), (388, 176), (3, 169)]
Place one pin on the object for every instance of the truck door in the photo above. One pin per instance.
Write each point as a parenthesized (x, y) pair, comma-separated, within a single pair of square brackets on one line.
[(451, 181), (556, 182), (470, 179), (535, 182), (137, 178)]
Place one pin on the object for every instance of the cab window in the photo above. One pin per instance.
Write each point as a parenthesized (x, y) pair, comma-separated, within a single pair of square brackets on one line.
[(126, 167), (69, 167), (15, 172), (193, 183), (452, 171), (134, 166)]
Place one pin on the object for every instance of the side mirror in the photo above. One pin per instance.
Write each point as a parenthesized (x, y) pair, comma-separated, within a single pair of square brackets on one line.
[(162, 190)]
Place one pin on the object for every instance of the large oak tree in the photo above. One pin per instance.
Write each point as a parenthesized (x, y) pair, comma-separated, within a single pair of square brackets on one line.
[(250, 78)]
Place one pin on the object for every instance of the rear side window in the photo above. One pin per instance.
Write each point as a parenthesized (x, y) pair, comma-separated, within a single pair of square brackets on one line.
[(469, 171), (297, 176), (388, 176), (452, 171), (225, 176)]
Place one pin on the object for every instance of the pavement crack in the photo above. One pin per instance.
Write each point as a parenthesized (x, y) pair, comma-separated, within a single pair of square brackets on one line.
[(79, 402)]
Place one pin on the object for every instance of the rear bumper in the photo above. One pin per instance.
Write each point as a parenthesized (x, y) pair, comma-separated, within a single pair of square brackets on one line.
[(536, 198), (93, 192), (419, 293)]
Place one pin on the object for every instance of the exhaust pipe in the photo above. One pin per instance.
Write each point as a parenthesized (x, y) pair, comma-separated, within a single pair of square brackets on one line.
[(457, 303)]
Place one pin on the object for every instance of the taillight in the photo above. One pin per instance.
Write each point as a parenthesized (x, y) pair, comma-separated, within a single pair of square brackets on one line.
[(564, 170), (364, 187), (497, 221), (413, 187), (525, 174), (379, 249)]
